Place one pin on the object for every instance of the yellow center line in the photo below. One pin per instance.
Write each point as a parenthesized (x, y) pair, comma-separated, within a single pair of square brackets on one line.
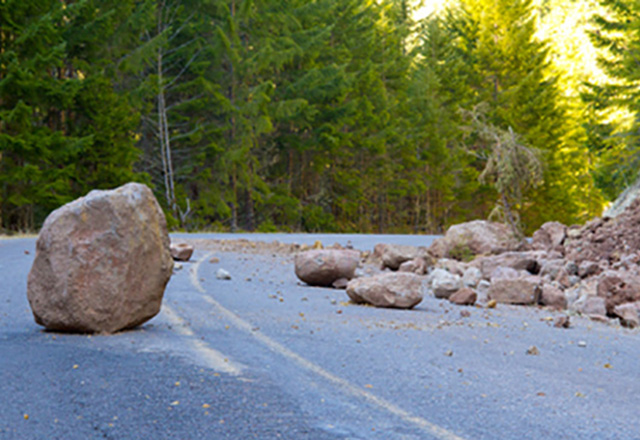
[(344, 385)]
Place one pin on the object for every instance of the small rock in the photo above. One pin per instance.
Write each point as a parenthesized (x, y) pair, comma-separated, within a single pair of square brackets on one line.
[(444, 283), (223, 275), (177, 267), (533, 351), (214, 260), (582, 344), (465, 313), (471, 277), (492, 304), (448, 353), (464, 297), (181, 251), (562, 322), (340, 283)]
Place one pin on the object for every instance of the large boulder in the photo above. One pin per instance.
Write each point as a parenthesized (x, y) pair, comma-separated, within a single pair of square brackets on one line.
[(102, 262), (465, 240), (397, 290), (323, 267)]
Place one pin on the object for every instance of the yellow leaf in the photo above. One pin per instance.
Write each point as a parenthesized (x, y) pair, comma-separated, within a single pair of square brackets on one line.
[(177, 384), (75, 367), (206, 405), (368, 386), (608, 365), (175, 402), (26, 416)]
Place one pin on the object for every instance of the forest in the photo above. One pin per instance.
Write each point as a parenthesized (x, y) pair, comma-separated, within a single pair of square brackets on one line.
[(321, 115)]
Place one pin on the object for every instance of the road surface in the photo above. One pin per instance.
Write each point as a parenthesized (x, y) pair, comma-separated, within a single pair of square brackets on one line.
[(263, 356)]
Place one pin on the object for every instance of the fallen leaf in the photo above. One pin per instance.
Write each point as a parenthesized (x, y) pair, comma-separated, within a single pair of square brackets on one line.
[(492, 304), (206, 405), (75, 367), (608, 365), (177, 384), (26, 416), (541, 394), (175, 403), (368, 386)]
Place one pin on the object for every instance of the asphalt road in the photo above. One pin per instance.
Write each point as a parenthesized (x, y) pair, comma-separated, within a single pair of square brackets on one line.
[(262, 356)]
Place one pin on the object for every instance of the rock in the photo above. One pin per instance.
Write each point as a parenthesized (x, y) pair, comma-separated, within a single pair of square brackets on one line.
[(222, 274), (397, 290), (629, 314), (453, 266), (590, 305), (516, 260), (580, 290), (102, 262), (483, 292), (492, 304), (323, 267), (340, 283), (471, 277), (562, 322), (444, 283), (588, 268), (393, 255), (464, 297), (181, 251), (553, 297), (551, 268), (465, 240), (606, 238), (618, 288), (504, 273), (550, 236), (524, 290), (533, 351), (417, 266)]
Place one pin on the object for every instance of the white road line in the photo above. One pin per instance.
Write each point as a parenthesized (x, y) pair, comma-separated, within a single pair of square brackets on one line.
[(344, 385), (211, 357)]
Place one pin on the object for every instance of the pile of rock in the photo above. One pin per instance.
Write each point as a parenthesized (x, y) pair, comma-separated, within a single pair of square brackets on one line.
[(592, 270)]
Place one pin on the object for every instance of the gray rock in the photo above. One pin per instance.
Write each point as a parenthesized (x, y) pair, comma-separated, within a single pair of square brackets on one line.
[(102, 262), (477, 237), (524, 290), (471, 277), (629, 314), (553, 297), (323, 267), (222, 274), (397, 290), (444, 283)]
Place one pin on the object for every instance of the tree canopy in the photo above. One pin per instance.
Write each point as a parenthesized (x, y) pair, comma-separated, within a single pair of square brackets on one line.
[(319, 115)]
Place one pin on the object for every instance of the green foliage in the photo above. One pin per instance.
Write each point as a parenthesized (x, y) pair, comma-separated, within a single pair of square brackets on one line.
[(296, 115)]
